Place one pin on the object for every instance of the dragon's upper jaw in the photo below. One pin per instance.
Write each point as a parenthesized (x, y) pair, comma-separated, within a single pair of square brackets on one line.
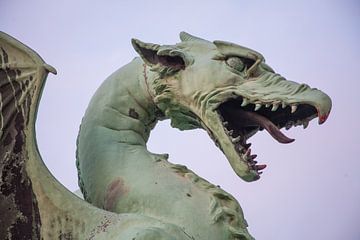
[(239, 119)]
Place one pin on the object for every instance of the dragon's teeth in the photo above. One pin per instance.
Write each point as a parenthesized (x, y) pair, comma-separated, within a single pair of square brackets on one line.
[(305, 124), (231, 132), (288, 125), (267, 105), (293, 108), (283, 105), (260, 167), (225, 123), (275, 107), (240, 149), (257, 106), (244, 102), (235, 140)]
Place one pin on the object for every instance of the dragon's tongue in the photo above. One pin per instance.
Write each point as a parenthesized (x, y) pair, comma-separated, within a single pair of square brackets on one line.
[(252, 118)]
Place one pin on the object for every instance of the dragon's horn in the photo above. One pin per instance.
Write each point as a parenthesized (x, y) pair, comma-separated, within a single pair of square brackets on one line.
[(184, 36)]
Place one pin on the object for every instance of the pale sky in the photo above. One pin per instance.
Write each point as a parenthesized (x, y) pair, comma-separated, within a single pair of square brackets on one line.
[(311, 188)]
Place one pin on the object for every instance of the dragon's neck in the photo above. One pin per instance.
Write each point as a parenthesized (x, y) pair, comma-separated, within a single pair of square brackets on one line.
[(118, 173), (119, 119)]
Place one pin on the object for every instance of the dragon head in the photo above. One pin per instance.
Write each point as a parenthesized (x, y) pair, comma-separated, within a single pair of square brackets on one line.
[(229, 91)]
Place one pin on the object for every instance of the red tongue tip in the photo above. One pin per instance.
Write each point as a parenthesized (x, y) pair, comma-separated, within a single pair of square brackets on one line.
[(290, 140), (278, 135), (285, 140)]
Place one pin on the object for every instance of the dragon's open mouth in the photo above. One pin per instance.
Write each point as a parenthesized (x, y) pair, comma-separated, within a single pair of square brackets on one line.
[(242, 119)]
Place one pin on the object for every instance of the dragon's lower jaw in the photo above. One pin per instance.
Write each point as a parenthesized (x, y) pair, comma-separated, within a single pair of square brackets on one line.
[(242, 161), (238, 120), (238, 153)]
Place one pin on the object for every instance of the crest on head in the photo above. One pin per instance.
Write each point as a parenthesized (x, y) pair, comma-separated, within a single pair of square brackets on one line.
[(165, 59)]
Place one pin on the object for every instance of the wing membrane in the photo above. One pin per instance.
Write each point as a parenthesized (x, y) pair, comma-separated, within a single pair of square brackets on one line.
[(22, 76)]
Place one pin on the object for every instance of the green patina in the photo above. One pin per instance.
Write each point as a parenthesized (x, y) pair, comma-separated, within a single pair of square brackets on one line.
[(226, 89), (215, 86)]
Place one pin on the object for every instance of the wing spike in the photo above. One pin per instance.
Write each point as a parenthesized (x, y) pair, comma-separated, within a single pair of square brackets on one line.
[(50, 68)]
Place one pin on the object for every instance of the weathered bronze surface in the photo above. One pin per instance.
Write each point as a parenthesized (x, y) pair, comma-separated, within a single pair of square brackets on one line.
[(226, 89)]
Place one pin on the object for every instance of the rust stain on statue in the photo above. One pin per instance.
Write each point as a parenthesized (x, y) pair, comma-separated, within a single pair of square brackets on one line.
[(115, 190)]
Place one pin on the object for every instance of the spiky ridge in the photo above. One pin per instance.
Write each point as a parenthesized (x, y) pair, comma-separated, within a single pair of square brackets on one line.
[(223, 209)]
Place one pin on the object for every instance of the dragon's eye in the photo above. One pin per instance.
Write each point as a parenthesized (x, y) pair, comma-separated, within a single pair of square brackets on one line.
[(235, 63)]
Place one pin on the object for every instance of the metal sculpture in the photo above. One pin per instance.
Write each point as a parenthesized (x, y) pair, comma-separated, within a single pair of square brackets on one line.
[(226, 89)]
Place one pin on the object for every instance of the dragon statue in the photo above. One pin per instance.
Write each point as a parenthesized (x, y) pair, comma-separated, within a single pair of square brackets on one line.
[(226, 89)]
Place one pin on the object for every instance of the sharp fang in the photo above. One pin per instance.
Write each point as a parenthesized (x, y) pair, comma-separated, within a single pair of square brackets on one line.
[(231, 132), (288, 125), (248, 145), (253, 156), (248, 152), (260, 167), (305, 124), (283, 105), (257, 106), (240, 149), (244, 102), (225, 123), (275, 107), (293, 108), (234, 140), (267, 105)]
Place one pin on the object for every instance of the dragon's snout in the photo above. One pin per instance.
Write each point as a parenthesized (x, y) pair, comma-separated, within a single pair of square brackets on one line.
[(266, 105)]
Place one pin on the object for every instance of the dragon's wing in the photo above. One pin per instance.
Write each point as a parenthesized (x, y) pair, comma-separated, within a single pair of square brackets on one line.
[(33, 205), (22, 77)]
